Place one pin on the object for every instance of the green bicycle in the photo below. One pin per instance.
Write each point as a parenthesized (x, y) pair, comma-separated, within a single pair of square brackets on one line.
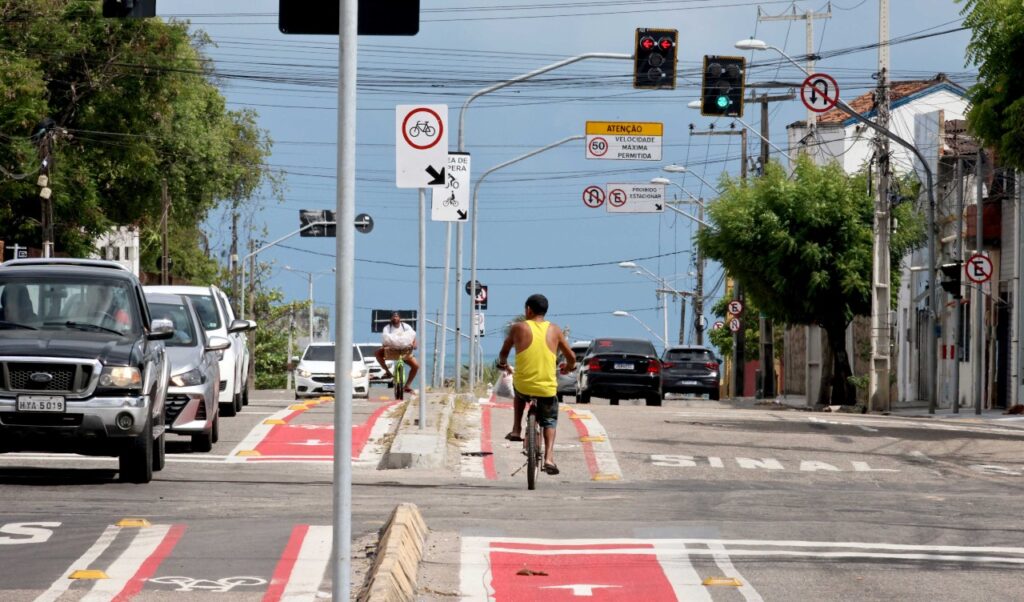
[(398, 369)]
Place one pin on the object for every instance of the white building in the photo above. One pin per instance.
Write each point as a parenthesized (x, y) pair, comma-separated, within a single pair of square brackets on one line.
[(120, 244)]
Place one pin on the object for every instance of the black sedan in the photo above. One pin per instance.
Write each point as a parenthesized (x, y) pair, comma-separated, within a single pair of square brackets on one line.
[(690, 369), (621, 369)]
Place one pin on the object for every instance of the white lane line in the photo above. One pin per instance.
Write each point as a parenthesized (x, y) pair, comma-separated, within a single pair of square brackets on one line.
[(675, 563), (310, 565), (84, 561), (472, 467), (121, 571), (721, 557), (607, 464), (475, 570)]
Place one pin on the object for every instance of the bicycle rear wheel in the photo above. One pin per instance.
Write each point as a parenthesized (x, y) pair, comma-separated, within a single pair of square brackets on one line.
[(532, 452)]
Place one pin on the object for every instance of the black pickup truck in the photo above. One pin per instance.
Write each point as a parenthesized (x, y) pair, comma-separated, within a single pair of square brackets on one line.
[(82, 364)]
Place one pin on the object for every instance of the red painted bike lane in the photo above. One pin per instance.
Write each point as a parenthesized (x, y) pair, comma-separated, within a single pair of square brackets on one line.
[(288, 439)]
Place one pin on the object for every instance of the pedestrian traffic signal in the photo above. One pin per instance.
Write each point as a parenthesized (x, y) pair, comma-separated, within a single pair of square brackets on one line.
[(130, 9), (951, 278), (654, 59), (722, 86)]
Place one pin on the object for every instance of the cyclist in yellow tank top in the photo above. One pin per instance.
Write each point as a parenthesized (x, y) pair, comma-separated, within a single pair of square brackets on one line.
[(537, 343)]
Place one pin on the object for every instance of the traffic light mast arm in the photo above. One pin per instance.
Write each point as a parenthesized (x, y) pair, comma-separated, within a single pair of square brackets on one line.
[(526, 76)]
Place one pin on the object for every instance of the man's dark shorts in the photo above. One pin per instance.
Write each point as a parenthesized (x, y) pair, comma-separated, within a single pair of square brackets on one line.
[(547, 409)]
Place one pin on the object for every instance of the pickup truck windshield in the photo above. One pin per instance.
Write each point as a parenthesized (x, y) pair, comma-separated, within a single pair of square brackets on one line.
[(53, 302)]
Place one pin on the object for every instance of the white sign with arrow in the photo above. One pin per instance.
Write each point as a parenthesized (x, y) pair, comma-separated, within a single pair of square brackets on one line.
[(636, 198), (451, 202), (421, 145)]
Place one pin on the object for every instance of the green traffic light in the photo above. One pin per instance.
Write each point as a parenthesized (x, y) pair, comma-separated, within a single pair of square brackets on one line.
[(723, 102)]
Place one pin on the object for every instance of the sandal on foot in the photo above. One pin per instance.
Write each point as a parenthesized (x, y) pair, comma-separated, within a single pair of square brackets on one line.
[(513, 437), (551, 469)]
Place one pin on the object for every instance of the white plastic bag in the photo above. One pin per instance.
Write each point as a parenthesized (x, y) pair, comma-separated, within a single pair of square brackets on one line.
[(503, 388), (400, 338)]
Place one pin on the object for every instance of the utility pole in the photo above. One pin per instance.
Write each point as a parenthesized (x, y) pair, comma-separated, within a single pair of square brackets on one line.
[(698, 297), (958, 255), (878, 374), (808, 17), (234, 250), (165, 202), (979, 297), (288, 354), (44, 134), (766, 330)]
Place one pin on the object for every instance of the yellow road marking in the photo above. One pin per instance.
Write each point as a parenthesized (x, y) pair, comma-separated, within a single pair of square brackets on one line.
[(133, 522), (593, 439), (248, 452), (298, 407), (730, 581), (605, 477), (274, 421), (88, 574)]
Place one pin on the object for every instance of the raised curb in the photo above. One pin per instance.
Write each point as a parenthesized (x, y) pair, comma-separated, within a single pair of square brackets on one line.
[(422, 448), (392, 578)]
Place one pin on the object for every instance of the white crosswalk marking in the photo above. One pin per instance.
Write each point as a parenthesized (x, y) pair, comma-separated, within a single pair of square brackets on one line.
[(84, 561), (127, 564)]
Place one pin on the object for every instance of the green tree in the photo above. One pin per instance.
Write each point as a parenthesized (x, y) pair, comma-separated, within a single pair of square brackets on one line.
[(134, 103), (996, 115), (801, 248)]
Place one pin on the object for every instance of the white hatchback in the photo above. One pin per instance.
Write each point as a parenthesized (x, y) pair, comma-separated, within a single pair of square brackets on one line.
[(314, 375)]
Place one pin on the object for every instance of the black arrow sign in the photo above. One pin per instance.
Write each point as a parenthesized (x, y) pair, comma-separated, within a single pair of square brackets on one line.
[(657, 207), (462, 214), (438, 177)]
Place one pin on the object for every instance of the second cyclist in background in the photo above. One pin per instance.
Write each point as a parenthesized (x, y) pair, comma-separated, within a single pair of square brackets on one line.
[(398, 338)]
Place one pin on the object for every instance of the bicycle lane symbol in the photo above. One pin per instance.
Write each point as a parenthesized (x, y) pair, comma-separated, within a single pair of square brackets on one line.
[(617, 197), (425, 126), (593, 196)]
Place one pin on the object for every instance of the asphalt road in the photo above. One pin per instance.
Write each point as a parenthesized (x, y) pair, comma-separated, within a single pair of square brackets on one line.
[(650, 502)]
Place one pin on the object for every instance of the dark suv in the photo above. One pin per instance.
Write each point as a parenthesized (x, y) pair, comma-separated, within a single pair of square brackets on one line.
[(690, 369), (82, 365), (620, 369)]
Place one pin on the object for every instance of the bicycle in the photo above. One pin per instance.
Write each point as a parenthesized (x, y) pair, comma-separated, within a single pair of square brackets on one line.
[(450, 201), (398, 369), (531, 439), (452, 182), (422, 126)]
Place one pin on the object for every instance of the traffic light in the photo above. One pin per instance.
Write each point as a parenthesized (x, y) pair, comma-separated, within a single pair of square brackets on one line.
[(131, 9), (654, 59), (722, 86), (951, 278)]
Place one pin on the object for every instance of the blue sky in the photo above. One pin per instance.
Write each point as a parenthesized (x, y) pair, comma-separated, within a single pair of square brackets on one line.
[(532, 218)]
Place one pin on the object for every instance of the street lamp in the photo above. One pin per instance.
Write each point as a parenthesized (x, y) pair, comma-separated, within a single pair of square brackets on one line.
[(310, 276), (877, 386), (698, 297), (623, 314), (673, 168), (662, 291)]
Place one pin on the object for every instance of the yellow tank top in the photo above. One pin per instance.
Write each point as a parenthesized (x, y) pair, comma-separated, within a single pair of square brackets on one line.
[(535, 365)]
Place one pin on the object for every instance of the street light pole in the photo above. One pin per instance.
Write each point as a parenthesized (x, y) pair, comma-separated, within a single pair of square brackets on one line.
[(310, 275), (241, 311), (623, 314), (698, 297)]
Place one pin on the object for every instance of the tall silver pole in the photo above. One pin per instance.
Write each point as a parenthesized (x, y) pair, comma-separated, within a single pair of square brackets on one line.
[(310, 306), (421, 320), (444, 297), (1018, 183), (458, 306), (979, 297), (475, 208), (664, 317), (344, 296)]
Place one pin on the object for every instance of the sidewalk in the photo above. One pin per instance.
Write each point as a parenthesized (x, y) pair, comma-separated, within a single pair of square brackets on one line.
[(919, 409)]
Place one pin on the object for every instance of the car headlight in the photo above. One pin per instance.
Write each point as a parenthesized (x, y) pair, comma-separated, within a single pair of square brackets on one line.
[(188, 379), (304, 373), (121, 377), (359, 372)]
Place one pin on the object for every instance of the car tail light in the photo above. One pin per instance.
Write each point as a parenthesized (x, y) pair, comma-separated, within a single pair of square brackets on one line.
[(711, 365), (654, 367), (594, 365)]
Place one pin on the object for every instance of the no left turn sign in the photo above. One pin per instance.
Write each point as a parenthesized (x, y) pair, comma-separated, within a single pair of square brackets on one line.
[(593, 196)]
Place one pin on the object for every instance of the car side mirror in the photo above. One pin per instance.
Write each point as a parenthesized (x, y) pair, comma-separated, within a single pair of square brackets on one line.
[(252, 324), (295, 359), (161, 329), (217, 344), (238, 326)]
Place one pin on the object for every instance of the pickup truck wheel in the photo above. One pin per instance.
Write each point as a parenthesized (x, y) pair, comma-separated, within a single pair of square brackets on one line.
[(227, 408), (135, 463)]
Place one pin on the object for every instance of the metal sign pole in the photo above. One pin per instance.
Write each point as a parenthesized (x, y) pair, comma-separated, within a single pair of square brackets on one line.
[(421, 320), (344, 297)]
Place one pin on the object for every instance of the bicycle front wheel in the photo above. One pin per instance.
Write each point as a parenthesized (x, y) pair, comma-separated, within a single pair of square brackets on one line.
[(532, 453), (399, 381)]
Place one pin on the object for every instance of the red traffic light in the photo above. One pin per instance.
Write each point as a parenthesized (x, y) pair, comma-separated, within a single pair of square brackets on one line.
[(666, 43), (647, 43)]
